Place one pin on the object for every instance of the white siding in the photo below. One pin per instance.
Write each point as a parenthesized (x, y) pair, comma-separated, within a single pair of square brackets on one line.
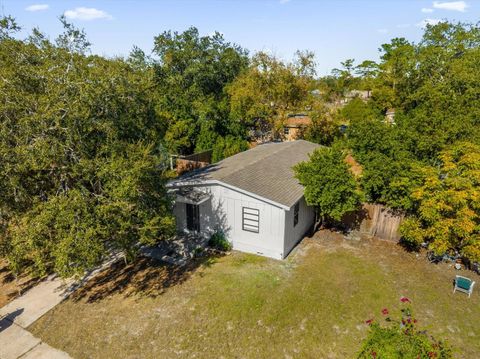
[(293, 235), (224, 212)]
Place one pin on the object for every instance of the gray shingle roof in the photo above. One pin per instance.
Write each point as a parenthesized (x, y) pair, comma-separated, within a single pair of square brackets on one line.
[(265, 170)]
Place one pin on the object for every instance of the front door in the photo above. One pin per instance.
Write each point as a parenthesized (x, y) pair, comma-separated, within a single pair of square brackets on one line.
[(193, 217)]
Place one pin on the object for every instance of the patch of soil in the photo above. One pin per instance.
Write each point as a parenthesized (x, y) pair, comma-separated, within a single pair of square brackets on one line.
[(11, 287)]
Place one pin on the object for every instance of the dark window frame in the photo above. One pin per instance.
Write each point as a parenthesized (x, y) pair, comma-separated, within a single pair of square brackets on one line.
[(296, 211), (286, 130), (252, 224)]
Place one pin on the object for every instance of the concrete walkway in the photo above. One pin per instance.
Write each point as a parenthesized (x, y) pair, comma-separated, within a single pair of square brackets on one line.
[(15, 341), (18, 343)]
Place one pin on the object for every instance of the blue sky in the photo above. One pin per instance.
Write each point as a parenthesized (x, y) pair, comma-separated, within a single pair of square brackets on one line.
[(335, 30)]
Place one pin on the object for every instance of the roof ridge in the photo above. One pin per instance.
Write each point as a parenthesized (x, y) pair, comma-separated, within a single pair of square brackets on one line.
[(290, 143)]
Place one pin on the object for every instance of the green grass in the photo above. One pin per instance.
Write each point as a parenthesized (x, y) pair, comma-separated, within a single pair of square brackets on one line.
[(242, 306)]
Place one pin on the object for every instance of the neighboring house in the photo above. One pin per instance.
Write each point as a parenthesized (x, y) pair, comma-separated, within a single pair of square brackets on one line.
[(361, 94), (294, 126), (252, 197)]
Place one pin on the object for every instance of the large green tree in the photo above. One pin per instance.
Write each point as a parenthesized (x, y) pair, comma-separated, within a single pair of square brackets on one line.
[(448, 204), (81, 158), (191, 74), (264, 95), (329, 184)]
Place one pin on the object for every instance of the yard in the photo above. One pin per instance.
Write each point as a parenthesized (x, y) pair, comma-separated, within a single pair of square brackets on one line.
[(242, 306), (11, 287)]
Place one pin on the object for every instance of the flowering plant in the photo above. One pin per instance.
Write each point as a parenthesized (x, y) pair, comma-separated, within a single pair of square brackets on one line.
[(401, 338)]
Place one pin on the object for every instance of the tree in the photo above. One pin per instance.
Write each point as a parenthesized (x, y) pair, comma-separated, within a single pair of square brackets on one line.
[(191, 74), (271, 89), (448, 205), (325, 126), (228, 146), (8, 26), (82, 167), (368, 71), (345, 77), (329, 185)]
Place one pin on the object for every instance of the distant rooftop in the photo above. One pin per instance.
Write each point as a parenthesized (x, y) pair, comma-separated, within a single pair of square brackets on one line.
[(298, 120), (265, 170)]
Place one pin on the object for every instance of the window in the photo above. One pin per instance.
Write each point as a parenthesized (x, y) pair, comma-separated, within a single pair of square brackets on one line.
[(193, 217), (296, 209), (250, 219), (286, 130)]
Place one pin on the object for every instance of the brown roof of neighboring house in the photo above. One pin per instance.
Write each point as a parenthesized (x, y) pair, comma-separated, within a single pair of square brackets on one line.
[(265, 171), (298, 121)]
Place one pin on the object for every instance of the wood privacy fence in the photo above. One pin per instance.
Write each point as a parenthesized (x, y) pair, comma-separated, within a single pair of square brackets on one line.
[(375, 220), (193, 162), (382, 222)]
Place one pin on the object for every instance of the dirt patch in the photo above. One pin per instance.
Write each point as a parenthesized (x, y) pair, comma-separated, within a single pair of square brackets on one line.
[(11, 286)]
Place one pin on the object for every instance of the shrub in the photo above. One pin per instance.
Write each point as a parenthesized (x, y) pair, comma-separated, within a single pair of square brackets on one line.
[(401, 338), (219, 241)]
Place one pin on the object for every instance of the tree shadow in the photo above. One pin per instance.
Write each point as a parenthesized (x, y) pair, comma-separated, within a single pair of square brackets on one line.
[(145, 277), (22, 283), (8, 320)]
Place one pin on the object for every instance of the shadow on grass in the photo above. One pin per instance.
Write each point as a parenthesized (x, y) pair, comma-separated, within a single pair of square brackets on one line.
[(17, 285), (145, 276)]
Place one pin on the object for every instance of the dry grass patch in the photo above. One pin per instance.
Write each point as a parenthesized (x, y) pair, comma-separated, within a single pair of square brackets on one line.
[(242, 306)]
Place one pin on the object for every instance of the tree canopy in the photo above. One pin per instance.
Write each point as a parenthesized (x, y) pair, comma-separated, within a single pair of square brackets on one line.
[(85, 140), (82, 166), (329, 184)]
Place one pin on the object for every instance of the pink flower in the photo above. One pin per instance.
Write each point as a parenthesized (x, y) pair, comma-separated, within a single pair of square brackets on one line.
[(370, 321), (385, 311), (405, 300)]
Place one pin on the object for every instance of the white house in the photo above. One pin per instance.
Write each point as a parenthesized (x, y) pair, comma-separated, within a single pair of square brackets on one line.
[(252, 197)]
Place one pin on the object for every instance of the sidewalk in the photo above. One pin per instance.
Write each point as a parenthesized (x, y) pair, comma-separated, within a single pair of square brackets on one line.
[(15, 341), (18, 343)]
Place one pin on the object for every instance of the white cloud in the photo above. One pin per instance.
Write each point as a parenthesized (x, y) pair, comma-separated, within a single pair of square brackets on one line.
[(87, 13), (403, 26), (453, 5), (426, 22), (284, 1), (37, 7), (427, 10), (382, 31)]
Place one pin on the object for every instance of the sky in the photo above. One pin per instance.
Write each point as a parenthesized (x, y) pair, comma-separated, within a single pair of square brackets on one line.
[(334, 30)]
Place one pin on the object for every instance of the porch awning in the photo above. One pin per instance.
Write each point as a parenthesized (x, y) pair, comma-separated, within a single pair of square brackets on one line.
[(191, 195)]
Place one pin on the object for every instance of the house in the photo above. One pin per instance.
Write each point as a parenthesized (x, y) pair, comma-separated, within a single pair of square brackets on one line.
[(252, 197), (294, 126)]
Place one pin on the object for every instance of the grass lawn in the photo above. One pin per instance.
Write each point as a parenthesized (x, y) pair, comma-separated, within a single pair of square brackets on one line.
[(312, 305)]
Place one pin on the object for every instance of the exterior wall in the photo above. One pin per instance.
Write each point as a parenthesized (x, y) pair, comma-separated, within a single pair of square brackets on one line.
[(224, 212), (306, 219)]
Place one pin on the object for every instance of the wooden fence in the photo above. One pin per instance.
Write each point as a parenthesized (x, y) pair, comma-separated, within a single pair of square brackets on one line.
[(375, 220), (381, 222)]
